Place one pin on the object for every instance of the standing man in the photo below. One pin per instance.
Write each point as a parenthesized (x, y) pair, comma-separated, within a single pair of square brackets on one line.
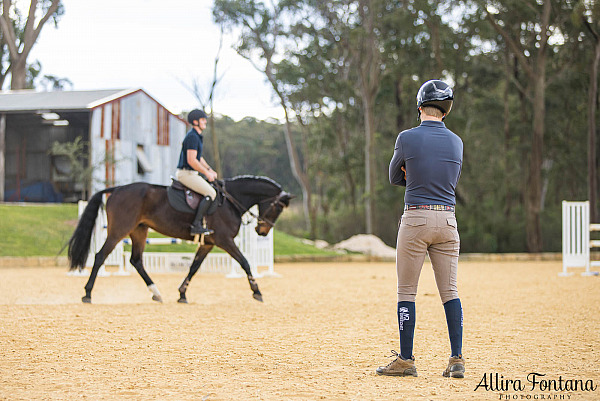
[(190, 164), (427, 160)]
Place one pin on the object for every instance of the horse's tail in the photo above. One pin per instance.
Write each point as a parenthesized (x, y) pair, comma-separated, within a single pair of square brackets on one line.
[(79, 244)]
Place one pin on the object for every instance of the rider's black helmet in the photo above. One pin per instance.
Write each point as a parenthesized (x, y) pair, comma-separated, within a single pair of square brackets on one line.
[(435, 93), (196, 115)]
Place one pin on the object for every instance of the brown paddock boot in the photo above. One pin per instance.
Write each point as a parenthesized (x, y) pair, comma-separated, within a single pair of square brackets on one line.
[(456, 367), (398, 367)]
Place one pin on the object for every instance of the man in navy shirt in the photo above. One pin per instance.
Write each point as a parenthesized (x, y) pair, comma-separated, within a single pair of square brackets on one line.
[(191, 163), (427, 160)]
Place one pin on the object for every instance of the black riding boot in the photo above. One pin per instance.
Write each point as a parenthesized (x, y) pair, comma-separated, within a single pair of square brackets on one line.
[(197, 227)]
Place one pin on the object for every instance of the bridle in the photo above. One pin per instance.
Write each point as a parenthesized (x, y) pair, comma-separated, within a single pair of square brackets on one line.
[(275, 200)]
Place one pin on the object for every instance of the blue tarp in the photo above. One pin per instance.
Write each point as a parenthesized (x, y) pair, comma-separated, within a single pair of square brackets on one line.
[(38, 192)]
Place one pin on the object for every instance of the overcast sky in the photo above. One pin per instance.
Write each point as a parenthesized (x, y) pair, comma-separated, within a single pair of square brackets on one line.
[(153, 45)]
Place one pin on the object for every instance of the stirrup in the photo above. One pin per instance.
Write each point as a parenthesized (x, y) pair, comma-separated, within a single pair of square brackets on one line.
[(201, 231)]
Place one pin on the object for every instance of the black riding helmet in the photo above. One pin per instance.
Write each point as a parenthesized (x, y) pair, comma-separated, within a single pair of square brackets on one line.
[(435, 93), (195, 115)]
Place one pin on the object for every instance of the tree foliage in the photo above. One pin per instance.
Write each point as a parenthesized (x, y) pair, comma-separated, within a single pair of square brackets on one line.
[(18, 35), (525, 79)]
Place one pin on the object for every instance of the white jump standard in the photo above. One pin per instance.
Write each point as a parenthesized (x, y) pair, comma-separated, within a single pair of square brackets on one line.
[(576, 243)]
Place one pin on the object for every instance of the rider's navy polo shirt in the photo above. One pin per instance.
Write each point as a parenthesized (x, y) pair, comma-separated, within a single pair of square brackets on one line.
[(192, 140), (432, 156)]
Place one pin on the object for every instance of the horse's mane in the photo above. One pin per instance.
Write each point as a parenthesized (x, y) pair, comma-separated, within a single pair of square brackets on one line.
[(254, 178)]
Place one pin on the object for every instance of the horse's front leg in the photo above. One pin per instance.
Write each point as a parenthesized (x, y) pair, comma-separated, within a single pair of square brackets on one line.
[(198, 259), (138, 243), (235, 253)]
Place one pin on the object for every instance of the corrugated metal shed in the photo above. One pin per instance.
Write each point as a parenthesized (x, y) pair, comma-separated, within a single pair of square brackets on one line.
[(131, 137)]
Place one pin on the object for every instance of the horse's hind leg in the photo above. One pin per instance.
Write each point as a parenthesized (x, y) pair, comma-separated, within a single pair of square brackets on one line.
[(198, 259), (101, 256), (138, 243)]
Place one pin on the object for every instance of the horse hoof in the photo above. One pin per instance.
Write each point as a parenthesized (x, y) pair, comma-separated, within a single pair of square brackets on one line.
[(258, 297), (182, 301), (86, 300), (157, 298)]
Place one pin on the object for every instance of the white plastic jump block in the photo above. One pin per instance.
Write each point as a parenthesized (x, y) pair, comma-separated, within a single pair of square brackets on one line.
[(576, 241)]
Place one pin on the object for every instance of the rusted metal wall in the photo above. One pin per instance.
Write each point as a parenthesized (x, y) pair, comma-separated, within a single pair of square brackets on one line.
[(119, 128)]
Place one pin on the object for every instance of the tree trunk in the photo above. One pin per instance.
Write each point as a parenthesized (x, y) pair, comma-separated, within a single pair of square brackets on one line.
[(369, 73), (592, 105), (215, 142), (524, 118), (368, 104), (3, 75), (507, 164), (342, 137), (18, 78), (216, 79), (297, 171), (436, 45), (2, 154), (398, 90), (536, 74), (534, 184), (312, 206), (533, 204)]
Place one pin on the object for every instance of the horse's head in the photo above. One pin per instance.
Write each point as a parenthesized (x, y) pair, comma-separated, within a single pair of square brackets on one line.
[(269, 210)]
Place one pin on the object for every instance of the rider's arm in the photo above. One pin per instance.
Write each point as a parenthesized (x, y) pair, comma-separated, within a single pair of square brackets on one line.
[(212, 174), (205, 164), (397, 171), (196, 164)]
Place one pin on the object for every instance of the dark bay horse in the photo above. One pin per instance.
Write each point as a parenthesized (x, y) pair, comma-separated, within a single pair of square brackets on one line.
[(132, 209)]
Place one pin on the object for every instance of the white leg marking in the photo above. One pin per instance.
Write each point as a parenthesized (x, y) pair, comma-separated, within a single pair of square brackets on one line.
[(154, 290)]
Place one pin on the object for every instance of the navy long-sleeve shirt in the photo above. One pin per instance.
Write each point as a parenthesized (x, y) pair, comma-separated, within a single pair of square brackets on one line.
[(432, 156)]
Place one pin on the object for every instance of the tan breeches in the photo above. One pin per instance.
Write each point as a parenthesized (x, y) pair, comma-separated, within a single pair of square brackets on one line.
[(422, 232), (192, 180)]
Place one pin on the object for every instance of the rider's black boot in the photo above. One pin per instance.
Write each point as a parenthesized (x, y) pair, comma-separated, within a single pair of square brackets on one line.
[(197, 227)]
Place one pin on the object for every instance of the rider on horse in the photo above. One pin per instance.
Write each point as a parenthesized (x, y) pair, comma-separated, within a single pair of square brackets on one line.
[(191, 163)]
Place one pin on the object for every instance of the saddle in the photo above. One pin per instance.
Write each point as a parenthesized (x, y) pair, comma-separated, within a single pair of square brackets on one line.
[(183, 199)]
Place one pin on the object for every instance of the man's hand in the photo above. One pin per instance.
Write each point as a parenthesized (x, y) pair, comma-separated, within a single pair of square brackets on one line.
[(403, 169)]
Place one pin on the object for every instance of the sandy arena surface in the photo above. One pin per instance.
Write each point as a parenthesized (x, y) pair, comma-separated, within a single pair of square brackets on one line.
[(320, 334)]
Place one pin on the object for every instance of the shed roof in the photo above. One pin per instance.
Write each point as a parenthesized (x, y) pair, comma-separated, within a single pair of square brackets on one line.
[(30, 100)]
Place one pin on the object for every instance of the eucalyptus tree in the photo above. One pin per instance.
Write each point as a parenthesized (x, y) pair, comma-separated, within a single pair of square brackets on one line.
[(319, 78), (20, 33), (345, 56), (263, 28), (587, 14), (532, 30), (367, 48), (205, 95), (344, 44)]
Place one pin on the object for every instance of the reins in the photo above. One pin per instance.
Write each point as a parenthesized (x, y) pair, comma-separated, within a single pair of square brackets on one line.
[(242, 209)]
